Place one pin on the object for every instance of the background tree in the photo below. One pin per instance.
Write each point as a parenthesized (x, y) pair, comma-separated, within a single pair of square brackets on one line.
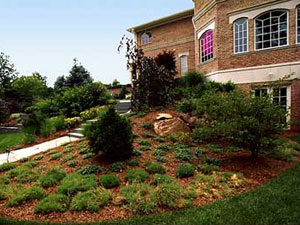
[(116, 83), (60, 84), (8, 73), (78, 76)]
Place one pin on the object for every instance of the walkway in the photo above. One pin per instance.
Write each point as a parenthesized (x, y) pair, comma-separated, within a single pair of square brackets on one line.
[(27, 152)]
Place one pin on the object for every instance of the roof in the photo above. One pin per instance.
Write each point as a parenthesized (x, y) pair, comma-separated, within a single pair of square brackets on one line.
[(162, 21)]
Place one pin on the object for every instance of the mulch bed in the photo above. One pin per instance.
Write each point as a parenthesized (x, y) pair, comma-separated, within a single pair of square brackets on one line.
[(257, 171)]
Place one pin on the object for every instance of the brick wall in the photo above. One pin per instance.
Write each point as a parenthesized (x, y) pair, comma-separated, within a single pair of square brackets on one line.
[(177, 36)]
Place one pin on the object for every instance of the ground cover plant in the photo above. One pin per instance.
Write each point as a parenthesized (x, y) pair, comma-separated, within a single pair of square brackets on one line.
[(10, 140)]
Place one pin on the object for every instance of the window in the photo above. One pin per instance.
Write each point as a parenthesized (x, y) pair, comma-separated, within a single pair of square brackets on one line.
[(271, 30), (259, 93), (298, 24), (184, 64), (241, 35), (146, 38), (206, 42)]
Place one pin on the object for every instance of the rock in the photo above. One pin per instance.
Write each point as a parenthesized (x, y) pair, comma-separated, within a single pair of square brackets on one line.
[(164, 116), (171, 126)]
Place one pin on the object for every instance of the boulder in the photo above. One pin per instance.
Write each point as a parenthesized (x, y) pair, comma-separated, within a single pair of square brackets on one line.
[(170, 126), (164, 116)]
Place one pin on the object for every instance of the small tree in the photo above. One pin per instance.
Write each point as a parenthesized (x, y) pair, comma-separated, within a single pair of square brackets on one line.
[(112, 135), (8, 73), (4, 111), (115, 84), (168, 60)]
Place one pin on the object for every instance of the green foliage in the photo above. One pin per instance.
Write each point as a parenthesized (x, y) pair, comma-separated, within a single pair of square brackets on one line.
[(117, 167), (295, 138), (112, 135), (90, 169), (33, 123), (72, 164), (214, 148), (24, 174), (147, 135), (73, 122), (136, 153), (8, 73), (136, 175), (159, 153), (110, 181), (25, 195), (163, 179), (55, 157), (92, 113), (88, 156), (192, 79), (147, 126), (161, 159), (183, 138), (168, 194), (7, 166), (83, 149), (154, 168), (213, 161), (68, 149), (52, 178), (141, 114), (185, 170), (145, 148), (23, 160), (159, 139), (68, 158), (208, 168), (184, 153), (284, 152), (75, 182), (52, 203), (133, 163), (91, 200), (249, 122), (140, 198), (144, 142), (232, 149)]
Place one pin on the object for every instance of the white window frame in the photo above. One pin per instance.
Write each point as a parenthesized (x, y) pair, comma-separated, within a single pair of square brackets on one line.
[(234, 29), (288, 96), (288, 35), (146, 40), (186, 54), (297, 23), (200, 44)]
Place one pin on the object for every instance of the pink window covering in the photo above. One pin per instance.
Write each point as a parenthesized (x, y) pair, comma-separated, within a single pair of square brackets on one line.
[(207, 46)]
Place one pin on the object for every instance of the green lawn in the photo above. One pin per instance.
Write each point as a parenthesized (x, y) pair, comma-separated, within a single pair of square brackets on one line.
[(10, 140), (277, 202)]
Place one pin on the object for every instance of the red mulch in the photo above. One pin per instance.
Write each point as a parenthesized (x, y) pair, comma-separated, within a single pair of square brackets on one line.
[(257, 171)]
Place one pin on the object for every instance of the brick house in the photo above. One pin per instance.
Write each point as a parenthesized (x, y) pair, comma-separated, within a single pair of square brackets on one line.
[(249, 42)]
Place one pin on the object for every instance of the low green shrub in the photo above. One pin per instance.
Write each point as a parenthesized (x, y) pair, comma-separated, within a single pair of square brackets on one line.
[(184, 153), (7, 166), (140, 198), (31, 164), (23, 160), (182, 138), (90, 169), (145, 148), (213, 161), (52, 152), (136, 175), (295, 138), (91, 200), (208, 168), (144, 142), (284, 153), (52, 203), (168, 194), (68, 158), (161, 159), (68, 150), (117, 167), (147, 135), (133, 163), (147, 126), (185, 170), (55, 157), (75, 182), (72, 164), (158, 152), (162, 179), (160, 139), (136, 153), (92, 113), (24, 174), (38, 158), (232, 149), (73, 122), (84, 150), (214, 148), (141, 114), (164, 148), (88, 156), (25, 195), (154, 168), (110, 181), (52, 178)]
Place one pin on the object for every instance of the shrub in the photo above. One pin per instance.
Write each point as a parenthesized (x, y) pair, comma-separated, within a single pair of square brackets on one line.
[(33, 123), (136, 175), (29, 138), (23, 160), (163, 179), (75, 182), (145, 148), (52, 203), (141, 114), (153, 168), (143, 142), (183, 138), (136, 153), (164, 148), (92, 113), (73, 122), (58, 122), (52, 178), (117, 167), (24, 195), (112, 135), (161, 159), (24, 174), (7, 166), (91, 200), (213, 161), (84, 150), (38, 158), (90, 169), (187, 105), (159, 139), (140, 198), (185, 170), (147, 126), (110, 181), (72, 164), (55, 157), (283, 152), (192, 79), (168, 60), (214, 148), (133, 163), (208, 168), (68, 158), (88, 156), (183, 153), (168, 194), (147, 135)]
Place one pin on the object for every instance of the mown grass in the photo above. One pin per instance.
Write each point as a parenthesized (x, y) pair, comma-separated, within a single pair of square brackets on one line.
[(10, 140), (274, 203)]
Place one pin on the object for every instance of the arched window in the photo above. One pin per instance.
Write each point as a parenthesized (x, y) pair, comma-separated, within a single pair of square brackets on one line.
[(241, 35), (146, 38), (271, 30), (207, 43), (298, 24)]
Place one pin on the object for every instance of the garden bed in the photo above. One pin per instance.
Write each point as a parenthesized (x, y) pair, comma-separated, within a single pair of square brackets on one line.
[(231, 171)]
